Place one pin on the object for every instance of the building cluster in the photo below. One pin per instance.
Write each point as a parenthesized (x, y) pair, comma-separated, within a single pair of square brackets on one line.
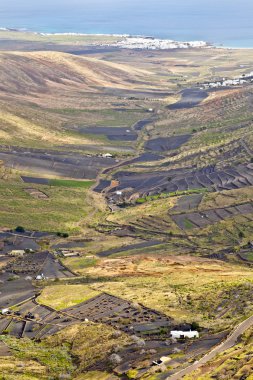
[(242, 79), (150, 43)]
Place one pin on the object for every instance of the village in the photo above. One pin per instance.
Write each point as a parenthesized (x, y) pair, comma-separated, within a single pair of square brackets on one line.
[(225, 82), (151, 43)]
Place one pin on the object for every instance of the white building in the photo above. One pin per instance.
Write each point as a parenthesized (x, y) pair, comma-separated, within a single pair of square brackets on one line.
[(162, 360), (177, 334), (5, 311), (17, 252), (151, 43), (40, 277)]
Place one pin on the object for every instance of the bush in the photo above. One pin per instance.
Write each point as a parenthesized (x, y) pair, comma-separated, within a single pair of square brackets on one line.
[(132, 373), (115, 359), (241, 235), (138, 341), (141, 200), (195, 326), (20, 229), (62, 234)]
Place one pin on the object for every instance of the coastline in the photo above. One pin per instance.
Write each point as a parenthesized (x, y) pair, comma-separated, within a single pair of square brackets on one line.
[(204, 44), (125, 41)]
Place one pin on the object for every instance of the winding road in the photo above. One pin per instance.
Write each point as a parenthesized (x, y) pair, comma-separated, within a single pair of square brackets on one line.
[(228, 343)]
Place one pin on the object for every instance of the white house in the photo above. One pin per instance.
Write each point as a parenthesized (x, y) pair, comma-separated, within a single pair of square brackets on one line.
[(162, 360), (40, 277), (177, 334), (5, 311), (17, 252)]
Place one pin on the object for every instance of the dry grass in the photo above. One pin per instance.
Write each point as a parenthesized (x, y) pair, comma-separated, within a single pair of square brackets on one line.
[(61, 296), (41, 71), (156, 207), (27, 130), (183, 287), (226, 198), (95, 375), (19, 208), (16, 369), (235, 363), (89, 342)]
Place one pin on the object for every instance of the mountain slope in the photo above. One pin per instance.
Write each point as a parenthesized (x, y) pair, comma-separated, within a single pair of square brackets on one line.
[(26, 73)]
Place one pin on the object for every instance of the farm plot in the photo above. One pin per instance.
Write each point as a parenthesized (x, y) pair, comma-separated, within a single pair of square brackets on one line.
[(14, 242), (164, 144), (69, 245), (16, 278), (55, 164), (130, 247), (31, 263), (15, 290), (146, 157), (205, 218), (189, 98), (52, 268), (54, 182), (102, 185), (142, 124), (121, 314), (160, 226), (35, 180), (33, 321), (111, 133), (187, 202), (156, 182)]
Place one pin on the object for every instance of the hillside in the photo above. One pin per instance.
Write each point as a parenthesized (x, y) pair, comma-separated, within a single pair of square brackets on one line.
[(40, 72), (235, 363), (126, 190)]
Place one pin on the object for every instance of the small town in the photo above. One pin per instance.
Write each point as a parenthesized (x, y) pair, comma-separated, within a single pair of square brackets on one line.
[(151, 43)]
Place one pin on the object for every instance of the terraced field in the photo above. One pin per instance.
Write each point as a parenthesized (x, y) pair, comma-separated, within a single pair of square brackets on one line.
[(164, 144), (211, 216), (151, 183), (34, 321), (55, 164), (121, 314)]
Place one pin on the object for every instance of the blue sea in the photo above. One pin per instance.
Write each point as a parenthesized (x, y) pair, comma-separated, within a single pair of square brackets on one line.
[(227, 22)]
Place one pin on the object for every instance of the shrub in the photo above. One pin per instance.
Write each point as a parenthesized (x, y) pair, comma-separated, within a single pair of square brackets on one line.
[(195, 326), (62, 234), (140, 200), (241, 235), (115, 359), (132, 373), (20, 229), (138, 341)]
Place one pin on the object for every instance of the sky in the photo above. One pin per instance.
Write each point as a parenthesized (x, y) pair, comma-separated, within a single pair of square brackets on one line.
[(130, 5)]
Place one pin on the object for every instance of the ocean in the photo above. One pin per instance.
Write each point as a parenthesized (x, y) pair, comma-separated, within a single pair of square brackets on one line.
[(226, 22)]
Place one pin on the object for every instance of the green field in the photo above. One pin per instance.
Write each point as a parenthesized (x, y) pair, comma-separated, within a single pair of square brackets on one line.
[(71, 183), (67, 205)]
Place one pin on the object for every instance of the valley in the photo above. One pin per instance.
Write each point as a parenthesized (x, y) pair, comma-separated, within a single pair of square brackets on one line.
[(126, 210)]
